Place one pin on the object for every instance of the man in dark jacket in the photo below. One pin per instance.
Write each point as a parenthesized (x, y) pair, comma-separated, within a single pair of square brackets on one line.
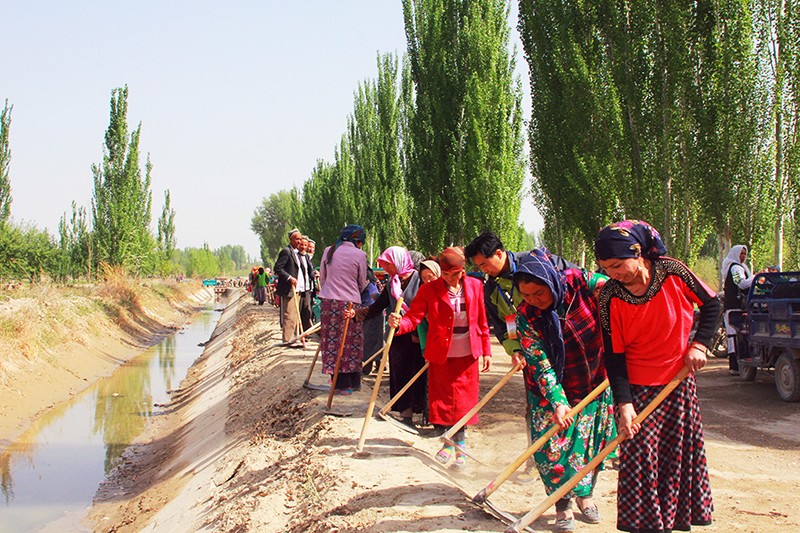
[(287, 268)]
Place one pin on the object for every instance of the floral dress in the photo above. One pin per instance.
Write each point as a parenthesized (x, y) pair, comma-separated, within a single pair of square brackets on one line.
[(568, 451)]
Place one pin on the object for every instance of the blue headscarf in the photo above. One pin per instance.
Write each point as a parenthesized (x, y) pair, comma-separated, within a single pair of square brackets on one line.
[(628, 239), (538, 265), (352, 233)]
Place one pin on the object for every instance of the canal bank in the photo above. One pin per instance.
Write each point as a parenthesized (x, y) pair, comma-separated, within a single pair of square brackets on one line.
[(57, 341)]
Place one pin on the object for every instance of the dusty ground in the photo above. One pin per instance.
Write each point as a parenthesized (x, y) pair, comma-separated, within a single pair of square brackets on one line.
[(247, 448)]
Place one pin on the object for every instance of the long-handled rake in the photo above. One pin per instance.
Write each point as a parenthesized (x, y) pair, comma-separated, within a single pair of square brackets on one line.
[(448, 435), (381, 366), (299, 324), (307, 383), (328, 409), (310, 331), (591, 465), (382, 412), (533, 448)]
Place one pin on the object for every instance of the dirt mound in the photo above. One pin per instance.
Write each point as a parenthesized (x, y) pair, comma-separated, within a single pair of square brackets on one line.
[(267, 458)]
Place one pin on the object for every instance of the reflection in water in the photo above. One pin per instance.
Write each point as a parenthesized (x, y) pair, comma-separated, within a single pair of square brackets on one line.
[(56, 466)]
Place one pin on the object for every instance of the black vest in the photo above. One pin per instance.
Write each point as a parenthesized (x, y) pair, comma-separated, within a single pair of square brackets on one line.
[(734, 296)]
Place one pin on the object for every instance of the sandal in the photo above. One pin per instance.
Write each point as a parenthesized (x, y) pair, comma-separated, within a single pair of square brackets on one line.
[(565, 524), (590, 513), (443, 455)]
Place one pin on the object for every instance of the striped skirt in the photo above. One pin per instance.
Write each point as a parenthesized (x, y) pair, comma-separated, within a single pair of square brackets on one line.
[(663, 475), (332, 326)]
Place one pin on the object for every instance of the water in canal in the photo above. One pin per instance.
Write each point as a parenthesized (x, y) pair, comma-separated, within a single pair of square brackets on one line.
[(49, 476)]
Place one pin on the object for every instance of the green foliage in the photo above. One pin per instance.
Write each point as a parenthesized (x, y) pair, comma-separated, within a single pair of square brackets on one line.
[(5, 158), (465, 168), (27, 253), (74, 244), (122, 198), (272, 221), (232, 259), (166, 241), (200, 262)]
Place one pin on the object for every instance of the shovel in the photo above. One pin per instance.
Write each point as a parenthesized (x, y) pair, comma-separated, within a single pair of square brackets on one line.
[(480, 498), (591, 465), (381, 366), (307, 383), (371, 358), (391, 419), (328, 409)]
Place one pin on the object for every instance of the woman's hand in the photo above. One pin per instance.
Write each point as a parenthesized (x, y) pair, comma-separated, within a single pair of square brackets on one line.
[(486, 363), (349, 313), (695, 357), (393, 320), (560, 416), (517, 358), (625, 426)]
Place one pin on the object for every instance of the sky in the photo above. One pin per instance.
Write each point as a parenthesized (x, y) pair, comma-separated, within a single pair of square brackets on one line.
[(237, 100)]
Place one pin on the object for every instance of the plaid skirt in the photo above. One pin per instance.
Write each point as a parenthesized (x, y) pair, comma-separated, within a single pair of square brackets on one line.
[(332, 326), (663, 474)]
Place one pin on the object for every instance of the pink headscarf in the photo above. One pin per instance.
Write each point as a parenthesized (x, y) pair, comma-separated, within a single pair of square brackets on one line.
[(401, 259)]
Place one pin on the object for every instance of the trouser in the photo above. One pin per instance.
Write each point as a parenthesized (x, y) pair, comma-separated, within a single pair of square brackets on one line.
[(305, 309), (289, 318), (733, 323)]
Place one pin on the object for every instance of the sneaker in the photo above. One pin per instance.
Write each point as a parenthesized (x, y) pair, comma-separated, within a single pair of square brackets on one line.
[(733, 372)]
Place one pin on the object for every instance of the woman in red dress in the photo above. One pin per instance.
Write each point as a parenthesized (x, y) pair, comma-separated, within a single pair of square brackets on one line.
[(458, 336)]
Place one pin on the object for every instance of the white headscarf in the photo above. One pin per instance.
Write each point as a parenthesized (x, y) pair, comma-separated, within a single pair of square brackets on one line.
[(734, 257)]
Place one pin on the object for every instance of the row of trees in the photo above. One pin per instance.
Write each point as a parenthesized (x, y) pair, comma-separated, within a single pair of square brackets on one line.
[(683, 113), (115, 230), (433, 150)]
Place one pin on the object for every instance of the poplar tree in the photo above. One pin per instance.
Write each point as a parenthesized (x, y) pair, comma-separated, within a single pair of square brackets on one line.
[(166, 241), (466, 166), (122, 198), (5, 159), (273, 219)]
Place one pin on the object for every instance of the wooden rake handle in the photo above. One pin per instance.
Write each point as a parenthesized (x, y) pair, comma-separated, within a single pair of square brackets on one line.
[(526, 520), (448, 436), (533, 448), (339, 357), (378, 378), (404, 389), (313, 363), (372, 357)]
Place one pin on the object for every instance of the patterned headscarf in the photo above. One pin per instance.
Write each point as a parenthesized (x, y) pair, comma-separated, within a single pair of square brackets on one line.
[(452, 258), (628, 239), (352, 233), (401, 260), (537, 264)]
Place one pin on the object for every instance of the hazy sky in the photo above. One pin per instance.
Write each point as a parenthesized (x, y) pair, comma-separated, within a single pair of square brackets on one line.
[(237, 100)]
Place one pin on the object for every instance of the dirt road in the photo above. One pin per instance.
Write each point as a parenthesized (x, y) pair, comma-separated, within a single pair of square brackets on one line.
[(278, 463)]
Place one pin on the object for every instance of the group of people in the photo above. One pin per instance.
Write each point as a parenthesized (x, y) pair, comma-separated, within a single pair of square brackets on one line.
[(570, 330), (296, 285)]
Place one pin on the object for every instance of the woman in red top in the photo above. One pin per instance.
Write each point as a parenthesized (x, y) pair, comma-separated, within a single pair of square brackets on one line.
[(458, 335), (646, 313)]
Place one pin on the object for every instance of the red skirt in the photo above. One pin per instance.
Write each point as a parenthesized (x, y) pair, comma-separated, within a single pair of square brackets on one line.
[(453, 390)]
